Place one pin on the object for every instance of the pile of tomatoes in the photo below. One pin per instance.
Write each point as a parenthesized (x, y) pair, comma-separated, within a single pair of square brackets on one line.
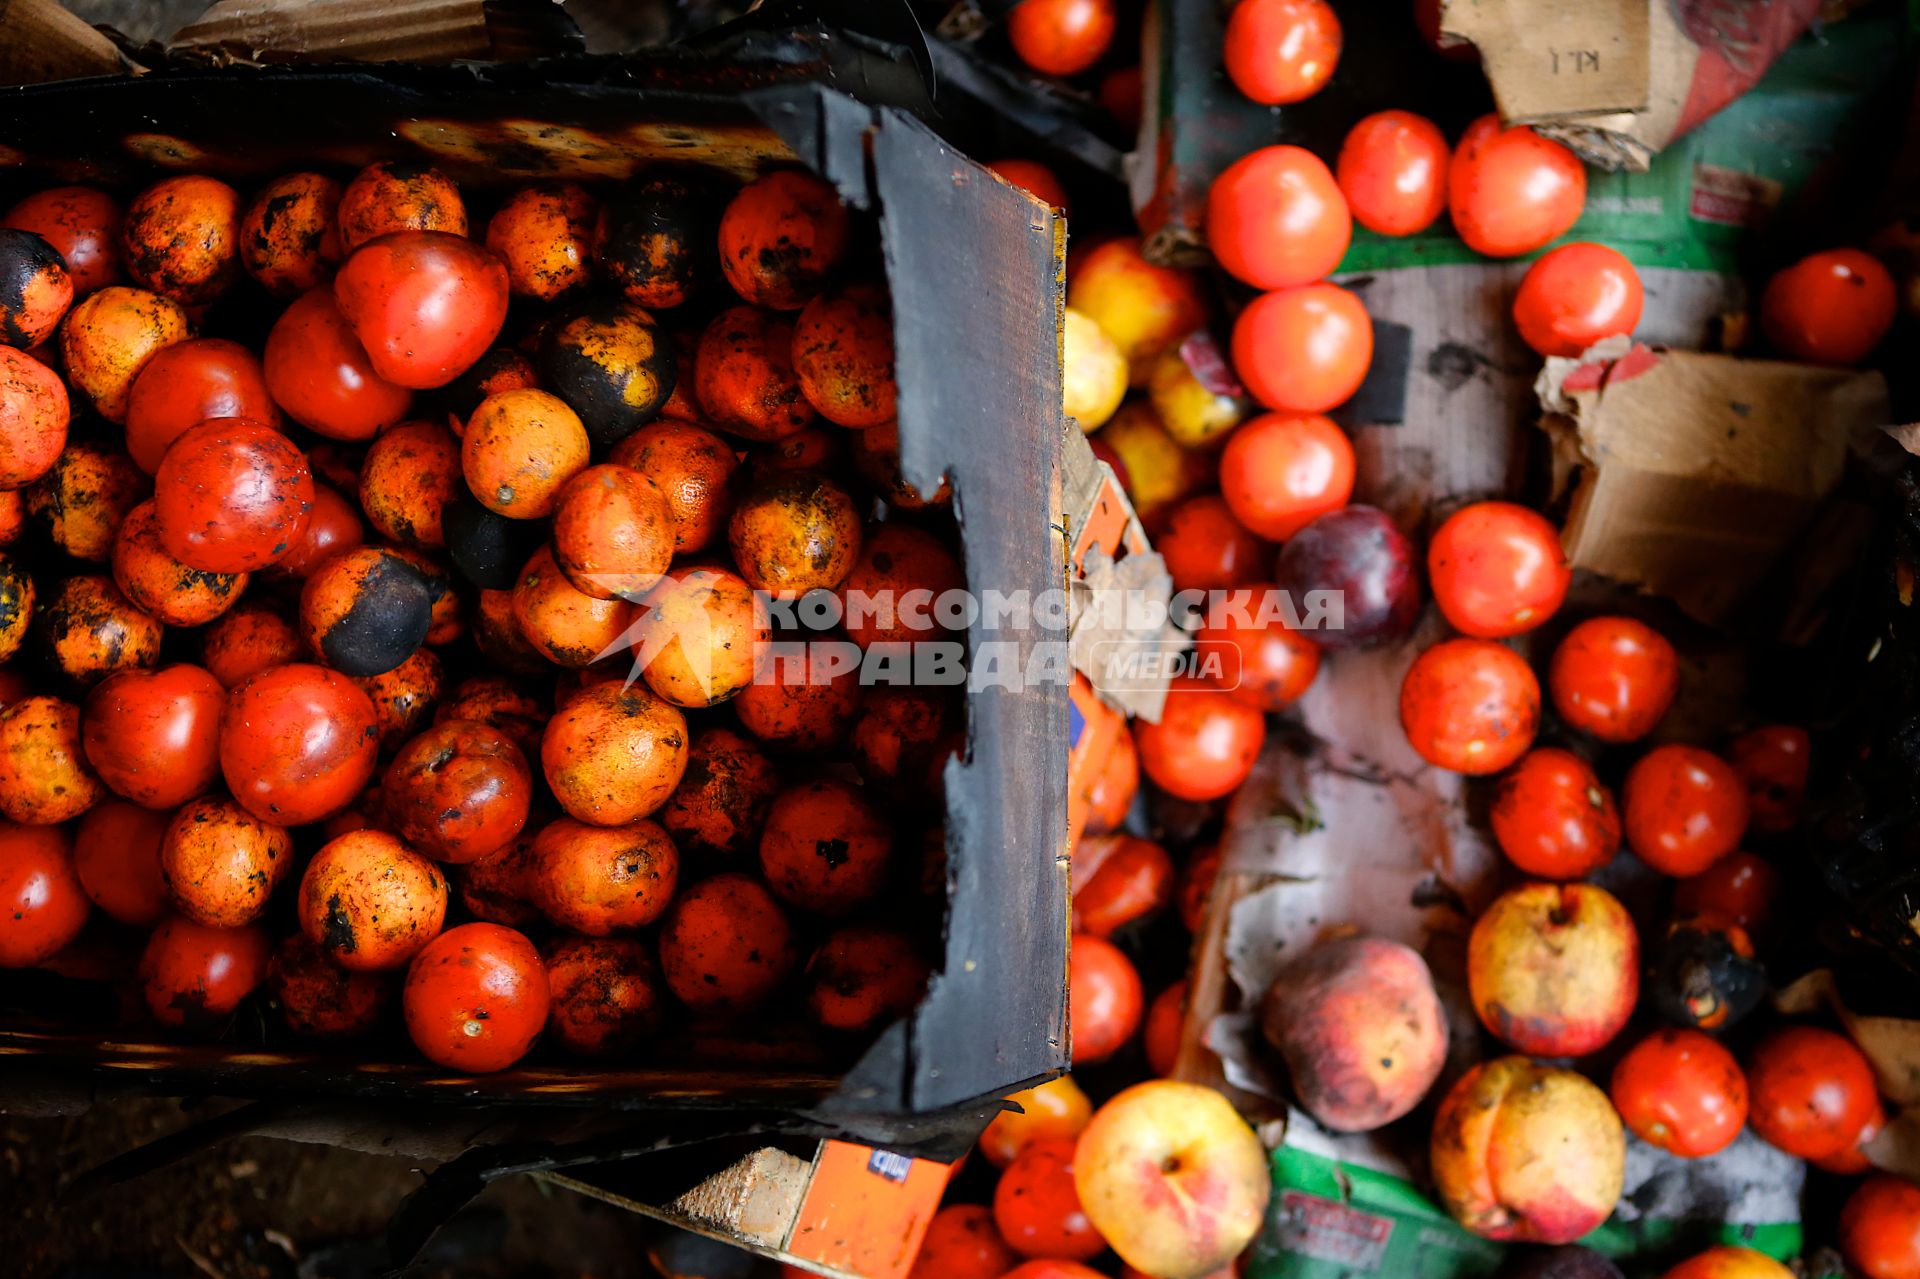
[(403, 647)]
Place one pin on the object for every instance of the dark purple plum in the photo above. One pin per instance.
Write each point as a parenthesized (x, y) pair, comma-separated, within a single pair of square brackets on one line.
[(1358, 552), (1568, 1262)]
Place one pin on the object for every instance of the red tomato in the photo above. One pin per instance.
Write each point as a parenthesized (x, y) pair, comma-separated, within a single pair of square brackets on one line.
[(1738, 888), (1575, 296), (1263, 663), (1393, 171), (1132, 881), (1195, 889), (1164, 1018), (1303, 350), (1880, 1229), (333, 526), (83, 226), (1061, 37), (1853, 1161), (1104, 999), (1038, 1208), (1036, 179), (231, 496), (1685, 809), (1280, 472), (1512, 191), (1681, 1091), (1052, 1268), (1613, 678), (297, 743), (1812, 1092), (425, 305), (962, 1242), (1470, 705), (1829, 308), (1276, 218), (154, 736), (1497, 569), (1281, 51), (1205, 743), (42, 904), (1773, 762), (476, 997), (319, 374), (196, 975), (185, 384), (1552, 817), (1207, 549)]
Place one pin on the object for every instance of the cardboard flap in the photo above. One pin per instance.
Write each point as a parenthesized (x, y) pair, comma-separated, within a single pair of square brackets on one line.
[(41, 42), (1552, 59), (268, 31), (1691, 473)]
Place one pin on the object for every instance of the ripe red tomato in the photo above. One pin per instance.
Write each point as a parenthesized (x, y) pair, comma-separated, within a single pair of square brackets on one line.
[(1738, 888), (1038, 1208), (1207, 549), (962, 1242), (1037, 180), (154, 736), (425, 305), (83, 226), (197, 974), (1685, 809), (1812, 1091), (1195, 890), (1470, 705), (42, 904), (475, 998), (1303, 350), (319, 374), (1497, 569), (1164, 1018), (1280, 472), (1576, 295), (1263, 663), (1773, 761), (1104, 999), (1829, 308), (1275, 217), (1681, 1091), (231, 496), (1393, 171), (1613, 678), (297, 743), (1512, 191), (1205, 743), (1061, 37), (185, 384), (1132, 880), (116, 853), (1281, 51), (1880, 1229), (1853, 1161), (1552, 817)]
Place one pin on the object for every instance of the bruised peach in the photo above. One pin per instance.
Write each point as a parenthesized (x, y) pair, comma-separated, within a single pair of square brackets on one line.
[(288, 240), (108, 338), (398, 195), (691, 466), (824, 847), (222, 863), (90, 630), (544, 233), (614, 754), (600, 879), (843, 355), (717, 809), (726, 945), (519, 450), (699, 636), (1361, 1029), (44, 776), (608, 997), (863, 975), (792, 531), (34, 411), (1526, 1152), (611, 362), (1554, 969), (612, 532), (371, 902), (780, 236), (83, 499), (35, 289), (411, 471), (321, 1000), (181, 238), (153, 580), (563, 623), (1145, 309), (744, 377)]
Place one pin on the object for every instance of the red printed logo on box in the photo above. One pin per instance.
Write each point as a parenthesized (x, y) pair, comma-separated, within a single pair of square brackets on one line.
[(1321, 1228)]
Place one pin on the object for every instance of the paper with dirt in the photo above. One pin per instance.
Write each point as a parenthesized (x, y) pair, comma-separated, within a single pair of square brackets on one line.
[(1691, 473)]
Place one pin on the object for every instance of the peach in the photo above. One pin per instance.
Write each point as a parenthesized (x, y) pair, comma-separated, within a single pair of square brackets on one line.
[(1361, 1029), (1729, 1263), (1525, 1152), (1173, 1178), (1554, 969)]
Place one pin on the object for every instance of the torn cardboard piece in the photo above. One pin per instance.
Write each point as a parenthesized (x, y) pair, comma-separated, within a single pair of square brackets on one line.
[(261, 32), (1692, 473), (1617, 80), (42, 42)]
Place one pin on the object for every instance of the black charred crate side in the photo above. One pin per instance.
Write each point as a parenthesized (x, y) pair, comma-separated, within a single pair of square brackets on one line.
[(973, 265)]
